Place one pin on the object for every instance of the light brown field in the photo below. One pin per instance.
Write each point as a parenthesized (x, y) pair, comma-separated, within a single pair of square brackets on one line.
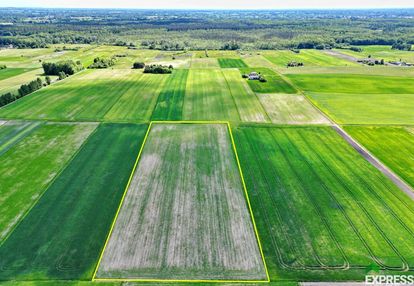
[(185, 214), (290, 109)]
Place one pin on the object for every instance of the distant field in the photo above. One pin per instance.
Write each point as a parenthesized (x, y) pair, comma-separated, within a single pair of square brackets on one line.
[(208, 97), (12, 84), (11, 72), (349, 108), (274, 84), (394, 146), (318, 204), (349, 83), (118, 95), (24, 58), (203, 63), (355, 70), (307, 57), (137, 103), (247, 103), (381, 52), (255, 59), (31, 164), (290, 109), (63, 235), (185, 214), (171, 99), (231, 63)]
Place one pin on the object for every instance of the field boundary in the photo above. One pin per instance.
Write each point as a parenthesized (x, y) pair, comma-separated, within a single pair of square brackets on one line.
[(227, 123), (49, 184)]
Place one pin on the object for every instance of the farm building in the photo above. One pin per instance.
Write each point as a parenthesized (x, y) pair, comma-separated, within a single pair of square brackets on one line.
[(254, 76)]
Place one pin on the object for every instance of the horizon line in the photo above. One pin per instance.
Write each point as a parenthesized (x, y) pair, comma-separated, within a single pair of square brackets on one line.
[(214, 8)]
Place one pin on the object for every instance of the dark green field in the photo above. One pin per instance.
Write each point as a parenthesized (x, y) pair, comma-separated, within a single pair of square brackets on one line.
[(171, 99), (64, 233), (319, 205), (10, 72), (231, 63)]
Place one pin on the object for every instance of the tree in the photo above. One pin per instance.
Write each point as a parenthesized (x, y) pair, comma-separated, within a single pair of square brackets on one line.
[(138, 65), (62, 75), (48, 80), (68, 67)]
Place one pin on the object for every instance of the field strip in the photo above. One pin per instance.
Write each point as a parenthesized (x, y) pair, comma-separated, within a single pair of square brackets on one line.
[(375, 162), (60, 171), (25, 131), (201, 279)]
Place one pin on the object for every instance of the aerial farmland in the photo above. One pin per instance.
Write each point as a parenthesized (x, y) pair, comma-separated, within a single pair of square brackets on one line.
[(205, 166)]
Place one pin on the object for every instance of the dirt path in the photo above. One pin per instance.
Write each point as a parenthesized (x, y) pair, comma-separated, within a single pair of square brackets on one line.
[(341, 56), (375, 162)]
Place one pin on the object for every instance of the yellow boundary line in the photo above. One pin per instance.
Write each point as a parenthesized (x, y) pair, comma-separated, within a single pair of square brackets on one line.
[(94, 278)]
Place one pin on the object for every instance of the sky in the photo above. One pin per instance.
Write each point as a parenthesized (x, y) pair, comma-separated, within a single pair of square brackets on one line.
[(210, 4)]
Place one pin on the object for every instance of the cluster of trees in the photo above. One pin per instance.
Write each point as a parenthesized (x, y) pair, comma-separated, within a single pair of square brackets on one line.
[(102, 63), (24, 90), (231, 46), (158, 69), (63, 67), (294, 64), (138, 65), (2, 67), (401, 45), (164, 45)]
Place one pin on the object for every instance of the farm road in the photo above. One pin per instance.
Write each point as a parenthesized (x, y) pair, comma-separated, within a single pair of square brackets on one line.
[(375, 162)]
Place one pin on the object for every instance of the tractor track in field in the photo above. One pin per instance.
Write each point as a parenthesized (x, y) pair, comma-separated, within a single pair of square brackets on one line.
[(375, 162)]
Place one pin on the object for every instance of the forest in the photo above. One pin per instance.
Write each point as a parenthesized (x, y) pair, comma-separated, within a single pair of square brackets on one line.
[(198, 30)]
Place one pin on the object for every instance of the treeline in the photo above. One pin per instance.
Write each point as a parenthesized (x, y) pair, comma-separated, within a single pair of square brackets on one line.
[(158, 69), (200, 30), (62, 68), (102, 63), (24, 90)]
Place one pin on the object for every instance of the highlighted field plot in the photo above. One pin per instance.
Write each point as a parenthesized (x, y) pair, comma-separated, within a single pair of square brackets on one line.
[(63, 234), (184, 216)]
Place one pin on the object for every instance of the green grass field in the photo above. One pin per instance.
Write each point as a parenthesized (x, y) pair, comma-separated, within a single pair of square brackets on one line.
[(90, 96), (12, 132), (307, 57), (392, 145), (137, 103), (62, 236), (231, 63), (247, 103), (30, 165), (319, 205), (171, 99), (350, 83), (381, 52), (207, 97), (347, 108), (323, 212), (11, 72), (12, 84), (274, 84)]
